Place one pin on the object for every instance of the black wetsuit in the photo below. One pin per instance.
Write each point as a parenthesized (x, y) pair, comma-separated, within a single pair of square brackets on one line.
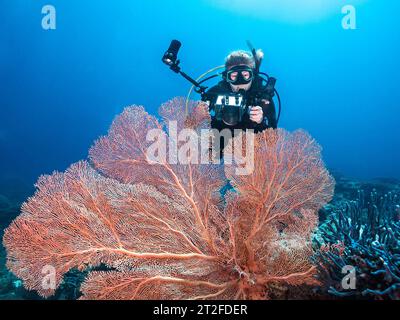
[(269, 120)]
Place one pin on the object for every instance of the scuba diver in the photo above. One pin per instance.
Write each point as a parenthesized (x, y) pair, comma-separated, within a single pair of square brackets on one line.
[(240, 76), (243, 99)]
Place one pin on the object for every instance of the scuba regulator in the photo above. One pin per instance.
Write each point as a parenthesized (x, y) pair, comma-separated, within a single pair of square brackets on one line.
[(229, 107)]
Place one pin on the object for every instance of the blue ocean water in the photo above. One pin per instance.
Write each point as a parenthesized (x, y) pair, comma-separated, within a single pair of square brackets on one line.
[(60, 89)]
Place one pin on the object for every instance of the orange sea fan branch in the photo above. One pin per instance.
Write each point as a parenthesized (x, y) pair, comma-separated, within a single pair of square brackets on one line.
[(162, 230)]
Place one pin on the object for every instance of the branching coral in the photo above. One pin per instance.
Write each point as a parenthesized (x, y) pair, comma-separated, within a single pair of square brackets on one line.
[(366, 233), (162, 229)]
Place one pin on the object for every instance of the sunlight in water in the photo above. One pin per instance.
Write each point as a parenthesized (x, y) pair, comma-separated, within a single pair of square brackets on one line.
[(296, 11)]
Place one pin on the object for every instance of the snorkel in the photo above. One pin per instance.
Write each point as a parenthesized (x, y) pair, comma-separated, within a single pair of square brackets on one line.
[(257, 56)]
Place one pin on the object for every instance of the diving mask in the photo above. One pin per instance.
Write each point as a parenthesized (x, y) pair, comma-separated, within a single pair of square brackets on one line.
[(239, 75)]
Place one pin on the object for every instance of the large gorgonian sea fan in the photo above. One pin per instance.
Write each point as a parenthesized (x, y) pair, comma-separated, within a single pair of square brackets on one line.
[(162, 229)]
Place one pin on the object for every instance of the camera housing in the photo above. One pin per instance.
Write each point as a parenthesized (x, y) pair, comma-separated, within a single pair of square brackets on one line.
[(230, 108)]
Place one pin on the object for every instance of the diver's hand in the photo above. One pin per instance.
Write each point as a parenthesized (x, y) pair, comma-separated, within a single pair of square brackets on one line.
[(256, 114)]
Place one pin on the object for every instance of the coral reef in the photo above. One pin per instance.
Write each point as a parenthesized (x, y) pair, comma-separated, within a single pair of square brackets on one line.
[(146, 230), (365, 235)]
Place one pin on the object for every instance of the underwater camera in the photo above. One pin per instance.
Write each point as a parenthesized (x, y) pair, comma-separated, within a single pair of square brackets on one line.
[(227, 107), (230, 108)]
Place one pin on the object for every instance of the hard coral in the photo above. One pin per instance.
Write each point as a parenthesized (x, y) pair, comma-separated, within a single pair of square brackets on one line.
[(366, 237)]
